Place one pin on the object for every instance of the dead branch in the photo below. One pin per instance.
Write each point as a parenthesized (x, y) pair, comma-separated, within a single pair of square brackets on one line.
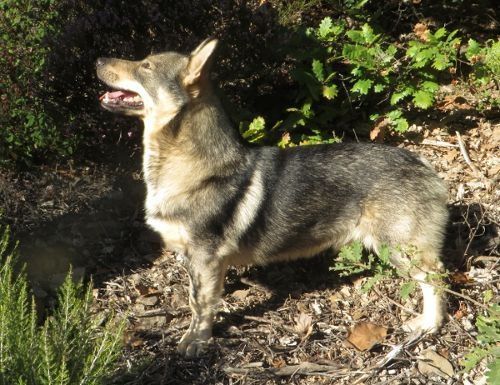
[(304, 368), (438, 143), (465, 155)]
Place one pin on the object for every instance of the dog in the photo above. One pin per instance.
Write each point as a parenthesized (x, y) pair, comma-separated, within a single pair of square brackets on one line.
[(217, 201)]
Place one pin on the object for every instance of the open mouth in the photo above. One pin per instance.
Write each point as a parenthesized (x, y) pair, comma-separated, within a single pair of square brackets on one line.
[(121, 99)]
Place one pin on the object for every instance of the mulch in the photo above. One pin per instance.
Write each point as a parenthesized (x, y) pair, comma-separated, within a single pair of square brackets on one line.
[(293, 323)]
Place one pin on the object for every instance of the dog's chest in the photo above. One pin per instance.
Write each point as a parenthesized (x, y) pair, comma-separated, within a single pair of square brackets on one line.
[(174, 234)]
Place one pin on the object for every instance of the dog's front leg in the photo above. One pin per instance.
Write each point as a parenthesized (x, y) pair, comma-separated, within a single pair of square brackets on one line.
[(206, 281)]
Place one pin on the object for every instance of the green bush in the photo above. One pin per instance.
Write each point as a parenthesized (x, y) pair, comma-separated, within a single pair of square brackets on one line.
[(487, 348), (28, 131), (358, 72), (73, 346), (352, 71), (50, 105)]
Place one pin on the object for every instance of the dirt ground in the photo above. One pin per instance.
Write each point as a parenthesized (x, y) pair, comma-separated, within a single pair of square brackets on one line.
[(280, 324)]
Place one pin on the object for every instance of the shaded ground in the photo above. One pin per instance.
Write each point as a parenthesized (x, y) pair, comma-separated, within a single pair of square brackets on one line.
[(281, 324)]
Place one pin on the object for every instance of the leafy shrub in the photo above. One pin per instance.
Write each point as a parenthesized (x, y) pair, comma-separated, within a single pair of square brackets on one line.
[(362, 70), (349, 70), (51, 105), (28, 131), (351, 261), (73, 346), (488, 327)]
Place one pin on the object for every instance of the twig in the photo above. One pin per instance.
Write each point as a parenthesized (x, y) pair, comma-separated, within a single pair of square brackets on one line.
[(304, 368), (438, 143), (394, 302), (255, 285), (464, 153), (270, 322), (474, 232)]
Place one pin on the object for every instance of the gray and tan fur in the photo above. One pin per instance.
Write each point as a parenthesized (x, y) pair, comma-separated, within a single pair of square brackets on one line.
[(218, 202)]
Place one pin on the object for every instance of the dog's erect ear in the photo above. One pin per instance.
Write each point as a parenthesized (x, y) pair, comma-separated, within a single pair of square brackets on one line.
[(199, 61)]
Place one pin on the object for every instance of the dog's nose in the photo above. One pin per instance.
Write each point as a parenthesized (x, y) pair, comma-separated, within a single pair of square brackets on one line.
[(100, 62)]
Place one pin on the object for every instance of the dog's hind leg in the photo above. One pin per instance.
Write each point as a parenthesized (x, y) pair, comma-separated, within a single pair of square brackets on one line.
[(433, 312), (206, 282), (425, 271), (416, 257)]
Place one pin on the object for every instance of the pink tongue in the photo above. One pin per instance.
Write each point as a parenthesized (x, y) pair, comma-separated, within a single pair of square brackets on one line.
[(116, 94)]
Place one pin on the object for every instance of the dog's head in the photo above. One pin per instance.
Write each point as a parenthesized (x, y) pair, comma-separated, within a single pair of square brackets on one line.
[(157, 87)]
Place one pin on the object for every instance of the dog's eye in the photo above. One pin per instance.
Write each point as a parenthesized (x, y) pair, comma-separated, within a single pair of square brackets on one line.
[(146, 65)]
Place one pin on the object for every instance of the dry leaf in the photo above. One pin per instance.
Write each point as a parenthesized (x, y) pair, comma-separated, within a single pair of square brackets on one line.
[(143, 289), (451, 155), (460, 277), (136, 342), (240, 295), (303, 324), (278, 362), (377, 133), (432, 363), (365, 335), (421, 31), (461, 312)]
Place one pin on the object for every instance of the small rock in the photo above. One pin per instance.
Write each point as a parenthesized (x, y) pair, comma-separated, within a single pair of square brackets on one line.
[(148, 323), (150, 300), (432, 364)]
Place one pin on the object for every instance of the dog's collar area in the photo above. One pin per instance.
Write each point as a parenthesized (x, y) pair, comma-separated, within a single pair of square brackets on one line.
[(121, 99)]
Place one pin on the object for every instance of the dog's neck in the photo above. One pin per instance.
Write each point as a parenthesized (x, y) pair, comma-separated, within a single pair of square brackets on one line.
[(197, 136)]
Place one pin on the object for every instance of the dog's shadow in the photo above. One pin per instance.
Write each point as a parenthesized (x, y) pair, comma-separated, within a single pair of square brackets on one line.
[(275, 283)]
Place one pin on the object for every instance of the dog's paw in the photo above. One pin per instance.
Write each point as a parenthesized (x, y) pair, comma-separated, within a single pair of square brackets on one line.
[(423, 324), (192, 346)]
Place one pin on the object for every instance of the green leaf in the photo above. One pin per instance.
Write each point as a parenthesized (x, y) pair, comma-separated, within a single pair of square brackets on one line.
[(406, 289), (368, 34), (488, 296), (309, 80), (413, 49), (401, 125), (430, 86), (391, 51), (330, 92), (423, 57), (256, 130), (356, 36), (423, 99), (377, 88), (370, 282), (473, 49), (493, 373), (318, 70), (325, 27), (398, 96), (393, 115), (362, 86), (440, 33), (441, 62), (384, 254)]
